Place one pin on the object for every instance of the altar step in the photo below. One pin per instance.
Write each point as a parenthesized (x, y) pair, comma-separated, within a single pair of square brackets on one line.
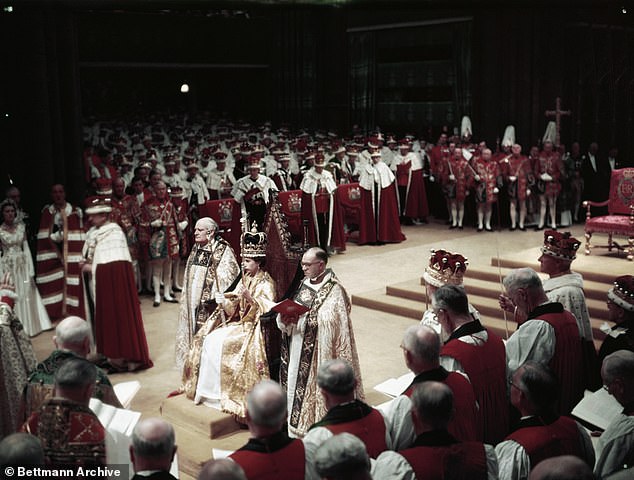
[(482, 283), (200, 429)]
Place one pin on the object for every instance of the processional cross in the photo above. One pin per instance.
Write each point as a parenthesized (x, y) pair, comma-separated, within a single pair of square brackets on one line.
[(557, 113)]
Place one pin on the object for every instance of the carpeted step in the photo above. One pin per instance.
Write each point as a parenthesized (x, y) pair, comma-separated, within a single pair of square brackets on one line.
[(196, 449), (600, 276), (179, 410), (407, 299)]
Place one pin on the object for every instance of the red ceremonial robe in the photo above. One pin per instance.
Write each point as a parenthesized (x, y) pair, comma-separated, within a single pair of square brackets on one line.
[(486, 367), (463, 425), (542, 441), (359, 419), (567, 362), (416, 198), (119, 328), (379, 217), (272, 458), (59, 279), (436, 452), (334, 226)]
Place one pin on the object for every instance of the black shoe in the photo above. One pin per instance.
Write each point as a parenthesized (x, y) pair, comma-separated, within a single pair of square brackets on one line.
[(480, 229), (176, 289), (451, 227), (460, 227), (512, 229), (173, 300), (538, 228), (156, 304), (488, 229), (523, 229)]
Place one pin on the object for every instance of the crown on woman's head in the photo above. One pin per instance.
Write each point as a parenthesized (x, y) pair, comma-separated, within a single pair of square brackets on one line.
[(253, 243)]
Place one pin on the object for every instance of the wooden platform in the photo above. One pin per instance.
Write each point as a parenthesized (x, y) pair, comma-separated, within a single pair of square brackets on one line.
[(482, 283), (201, 428)]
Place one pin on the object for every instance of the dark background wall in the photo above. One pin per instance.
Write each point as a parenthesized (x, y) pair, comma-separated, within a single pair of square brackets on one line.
[(406, 67)]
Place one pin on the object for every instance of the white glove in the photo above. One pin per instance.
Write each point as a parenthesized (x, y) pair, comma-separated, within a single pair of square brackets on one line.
[(58, 236), (452, 178), (182, 225), (157, 223), (220, 298), (432, 178), (545, 177), (528, 192), (477, 178), (512, 178), (496, 190)]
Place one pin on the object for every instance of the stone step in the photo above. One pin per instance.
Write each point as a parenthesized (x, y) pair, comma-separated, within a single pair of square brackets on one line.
[(212, 423)]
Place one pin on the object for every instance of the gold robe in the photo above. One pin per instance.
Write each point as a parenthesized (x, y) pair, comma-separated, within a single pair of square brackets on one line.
[(323, 333), (210, 269), (243, 360)]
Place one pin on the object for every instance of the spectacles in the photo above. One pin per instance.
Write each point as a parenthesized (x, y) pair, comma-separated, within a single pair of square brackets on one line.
[(310, 264), (514, 385)]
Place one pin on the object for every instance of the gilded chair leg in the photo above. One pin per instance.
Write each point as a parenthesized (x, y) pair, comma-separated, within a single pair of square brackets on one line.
[(630, 250), (588, 246)]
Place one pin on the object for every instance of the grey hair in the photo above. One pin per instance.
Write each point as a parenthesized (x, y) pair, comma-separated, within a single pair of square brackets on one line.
[(341, 456), (153, 446), (266, 404), (422, 342), (433, 402), (526, 278), (619, 364), (72, 331), (75, 373), (336, 376), (452, 298), (209, 223)]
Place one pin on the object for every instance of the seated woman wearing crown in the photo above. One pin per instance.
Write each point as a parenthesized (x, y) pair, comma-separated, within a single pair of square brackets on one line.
[(227, 357)]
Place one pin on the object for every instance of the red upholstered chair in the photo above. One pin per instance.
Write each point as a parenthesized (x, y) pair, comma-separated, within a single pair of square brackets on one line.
[(291, 205), (620, 217), (350, 199), (227, 214)]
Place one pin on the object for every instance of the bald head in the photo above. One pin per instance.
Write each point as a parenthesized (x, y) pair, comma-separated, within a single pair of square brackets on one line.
[(564, 467), (266, 405), (73, 333), (153, 445), (318, 253), (222, 469), (423, 343)]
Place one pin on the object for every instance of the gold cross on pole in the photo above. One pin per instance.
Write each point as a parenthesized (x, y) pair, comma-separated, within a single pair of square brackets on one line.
[(557, 113)]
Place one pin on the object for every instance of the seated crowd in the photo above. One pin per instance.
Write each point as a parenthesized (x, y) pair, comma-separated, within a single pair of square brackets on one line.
[(476, 407)]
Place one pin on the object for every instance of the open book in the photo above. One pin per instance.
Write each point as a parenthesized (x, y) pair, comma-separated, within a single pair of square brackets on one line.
[(126, 391), (395, 386), (597, 409), (119, 423)]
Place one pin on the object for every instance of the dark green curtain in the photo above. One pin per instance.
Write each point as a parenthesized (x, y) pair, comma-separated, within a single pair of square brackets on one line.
[(362, 47), (294, 72), (462, 47)]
